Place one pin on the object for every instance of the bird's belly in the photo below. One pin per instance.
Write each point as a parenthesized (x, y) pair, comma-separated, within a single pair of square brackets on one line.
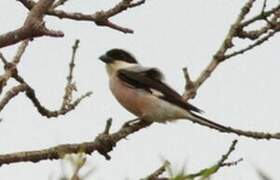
[(144, 105)]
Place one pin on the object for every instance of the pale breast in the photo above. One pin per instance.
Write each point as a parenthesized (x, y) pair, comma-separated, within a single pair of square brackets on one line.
[(127, 96), (143, 104)]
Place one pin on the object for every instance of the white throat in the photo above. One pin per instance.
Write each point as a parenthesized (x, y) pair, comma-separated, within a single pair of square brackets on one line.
[(112, 68)]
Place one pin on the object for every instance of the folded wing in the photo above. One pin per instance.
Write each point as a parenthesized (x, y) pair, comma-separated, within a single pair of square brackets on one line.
[(150, 80)]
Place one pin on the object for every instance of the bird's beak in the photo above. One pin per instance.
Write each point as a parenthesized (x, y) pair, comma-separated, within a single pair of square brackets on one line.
[(106, 59)]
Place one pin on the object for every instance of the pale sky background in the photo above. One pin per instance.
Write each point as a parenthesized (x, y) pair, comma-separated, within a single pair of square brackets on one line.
[(243, 92)]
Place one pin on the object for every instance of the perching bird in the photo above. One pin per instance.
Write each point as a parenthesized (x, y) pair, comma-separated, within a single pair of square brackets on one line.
[(143, 92)]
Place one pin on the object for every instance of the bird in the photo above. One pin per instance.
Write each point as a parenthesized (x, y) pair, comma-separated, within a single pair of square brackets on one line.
[(143, 91)]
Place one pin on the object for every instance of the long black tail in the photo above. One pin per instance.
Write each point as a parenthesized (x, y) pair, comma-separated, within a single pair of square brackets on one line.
[(211, 124)]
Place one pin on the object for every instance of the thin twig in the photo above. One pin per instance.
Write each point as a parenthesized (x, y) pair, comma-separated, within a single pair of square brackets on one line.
[(10, 70), (20, 51), (157, 172), (189, 85), (217, 166), (251, 46), (59, 3), (227, 44), (11, 94), (260, 16), (3, 59), (70, 86), (138, 3), (30, 93)]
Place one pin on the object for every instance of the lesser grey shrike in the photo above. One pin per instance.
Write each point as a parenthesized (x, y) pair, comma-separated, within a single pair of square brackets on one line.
[(143, 92)]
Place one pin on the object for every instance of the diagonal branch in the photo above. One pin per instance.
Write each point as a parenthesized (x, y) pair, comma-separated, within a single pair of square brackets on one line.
[(11, 94), (11, 68), (226, 44), (207, 172), (202, 174)]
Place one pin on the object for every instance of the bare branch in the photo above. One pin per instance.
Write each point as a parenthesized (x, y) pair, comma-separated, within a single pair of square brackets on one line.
[(20, 51), (100, 18), (33, 26), (3, 59), (10, 70), (70, 86), (137, 3), (260, 16), (59, 3), (227, 44), (103, 143), (189, 85), (251, 46), (11, 94), (30, 93), (67, 105)]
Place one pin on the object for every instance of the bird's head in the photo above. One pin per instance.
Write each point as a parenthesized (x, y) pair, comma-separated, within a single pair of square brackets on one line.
[(116, 59)]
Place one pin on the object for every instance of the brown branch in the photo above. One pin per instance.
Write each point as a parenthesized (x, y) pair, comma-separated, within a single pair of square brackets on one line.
[(68, 104), (103, 143), (251, 46), (189, 85), (3, 59), (138, 3), (11, 94), (20, 51), (10, 68), (59, 3), (33, 26), (261, 16), (100, 18), (70, 86), (227, 44), (30, 93)]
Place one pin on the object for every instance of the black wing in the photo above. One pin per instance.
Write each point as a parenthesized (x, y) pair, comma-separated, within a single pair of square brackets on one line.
[(150, 80)]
